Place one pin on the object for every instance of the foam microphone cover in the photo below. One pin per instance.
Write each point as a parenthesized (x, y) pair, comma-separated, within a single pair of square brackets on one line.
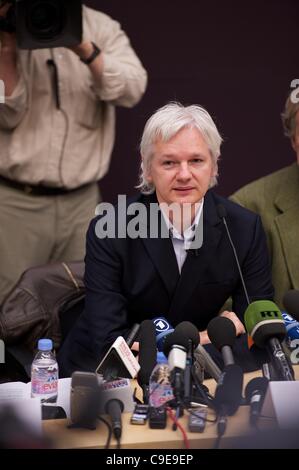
[(229, 389), (222, 332), (291, 303), (263, 320), (147, 351), (177, 338), (259, 384), (189, 331)]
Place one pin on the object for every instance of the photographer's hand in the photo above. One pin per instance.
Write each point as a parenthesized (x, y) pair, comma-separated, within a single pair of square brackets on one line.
[(84, 51)]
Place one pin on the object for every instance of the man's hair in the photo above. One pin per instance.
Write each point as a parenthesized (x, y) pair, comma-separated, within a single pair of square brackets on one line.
[(164, 124), (289, 117)]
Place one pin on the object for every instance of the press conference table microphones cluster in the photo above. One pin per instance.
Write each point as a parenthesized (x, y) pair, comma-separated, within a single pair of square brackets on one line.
[(107, 392)]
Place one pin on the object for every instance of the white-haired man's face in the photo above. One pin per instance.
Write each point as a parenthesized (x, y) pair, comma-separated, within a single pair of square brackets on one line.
[(295, 139), (181, 169)]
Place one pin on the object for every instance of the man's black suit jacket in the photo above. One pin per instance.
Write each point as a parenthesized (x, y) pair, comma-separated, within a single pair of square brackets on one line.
[(129, 280)]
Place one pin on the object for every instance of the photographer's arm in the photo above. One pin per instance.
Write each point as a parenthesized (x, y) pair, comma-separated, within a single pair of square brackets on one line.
[(14, 107), (84, 51), (8, 62), (118, 75)]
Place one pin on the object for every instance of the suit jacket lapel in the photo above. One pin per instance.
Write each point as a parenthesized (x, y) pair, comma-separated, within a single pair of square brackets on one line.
[(287, 202), (194, 268), (161, 251)]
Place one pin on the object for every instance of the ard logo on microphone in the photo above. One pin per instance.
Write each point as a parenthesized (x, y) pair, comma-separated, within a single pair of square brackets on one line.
[(2, 355), (161, 324)]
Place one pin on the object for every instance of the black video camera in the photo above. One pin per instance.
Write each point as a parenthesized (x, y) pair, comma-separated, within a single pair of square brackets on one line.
[(44, 23)]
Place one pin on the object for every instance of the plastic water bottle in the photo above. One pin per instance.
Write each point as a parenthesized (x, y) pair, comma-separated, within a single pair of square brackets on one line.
[(44, 373), (160, 389)]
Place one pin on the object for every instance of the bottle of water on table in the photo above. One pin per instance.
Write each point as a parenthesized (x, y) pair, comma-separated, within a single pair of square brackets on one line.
[(44, 373), (160, 389)]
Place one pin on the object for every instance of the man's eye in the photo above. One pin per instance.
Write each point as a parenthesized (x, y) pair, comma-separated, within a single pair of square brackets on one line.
[(168, 163), (196, 160)]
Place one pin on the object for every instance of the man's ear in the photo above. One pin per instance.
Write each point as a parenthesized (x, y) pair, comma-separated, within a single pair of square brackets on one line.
[(293, 144)]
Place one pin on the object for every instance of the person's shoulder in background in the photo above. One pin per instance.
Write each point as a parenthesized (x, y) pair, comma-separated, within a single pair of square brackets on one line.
[(261, 194)]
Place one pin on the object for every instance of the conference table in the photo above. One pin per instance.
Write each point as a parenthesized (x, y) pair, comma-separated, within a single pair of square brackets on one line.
[(142, 437)]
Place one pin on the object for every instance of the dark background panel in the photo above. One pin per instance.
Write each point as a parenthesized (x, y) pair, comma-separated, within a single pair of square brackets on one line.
[(235, 58)]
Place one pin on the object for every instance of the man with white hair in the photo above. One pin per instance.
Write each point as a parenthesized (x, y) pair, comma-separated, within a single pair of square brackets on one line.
[(185, 270)]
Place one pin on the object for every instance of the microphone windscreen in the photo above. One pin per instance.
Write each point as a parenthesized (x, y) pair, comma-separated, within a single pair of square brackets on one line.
[(176, 338), (147, 351), (221, 211), (229, 389), (263, 320), (222, 332), (189, 331), (257, 384), (291, 303)]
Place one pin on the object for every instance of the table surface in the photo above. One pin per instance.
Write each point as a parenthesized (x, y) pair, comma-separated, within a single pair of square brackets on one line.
[(142, 437)]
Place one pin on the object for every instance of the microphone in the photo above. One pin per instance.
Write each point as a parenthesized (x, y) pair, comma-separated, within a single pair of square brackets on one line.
[(119, 361), (163, 328), (255, 393), (85, 399), (147, 356), (191, 333), (51, 63), (114, 409), (222, 214), (222, 333), (175, 348), (132, 334), (265, 325), (291, 303), (228, 393), (202, 359)]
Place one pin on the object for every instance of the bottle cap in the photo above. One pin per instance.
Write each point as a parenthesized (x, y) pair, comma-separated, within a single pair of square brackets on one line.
[(45, 344)]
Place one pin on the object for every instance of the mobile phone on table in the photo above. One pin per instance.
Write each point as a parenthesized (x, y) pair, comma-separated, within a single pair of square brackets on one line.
[(140, 414)]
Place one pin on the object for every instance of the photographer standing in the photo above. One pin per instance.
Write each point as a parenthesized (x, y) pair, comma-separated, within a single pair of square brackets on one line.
[(57, 130)]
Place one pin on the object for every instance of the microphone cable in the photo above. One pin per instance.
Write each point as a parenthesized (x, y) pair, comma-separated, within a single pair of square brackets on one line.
[(109, 428)]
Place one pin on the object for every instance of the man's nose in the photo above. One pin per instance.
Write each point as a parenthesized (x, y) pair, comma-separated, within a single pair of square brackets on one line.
[(184, 171)]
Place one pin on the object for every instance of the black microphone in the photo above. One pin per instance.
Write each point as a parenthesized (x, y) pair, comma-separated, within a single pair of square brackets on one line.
[(132, 334), (51, 63), (114, 409), (191, 333), (228, 395), (175, 348), (291, 303), (255, 393), (222, 214), (147, 356), (222, 333)]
